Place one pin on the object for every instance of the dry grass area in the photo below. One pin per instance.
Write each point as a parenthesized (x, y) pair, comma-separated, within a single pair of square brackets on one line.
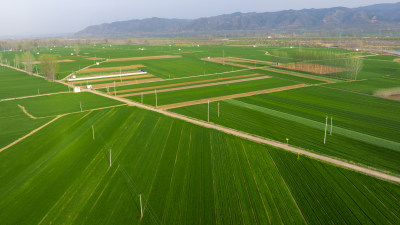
[(397, 60), (185, 83), (389, 93), (105, 85), (112, 78), (313, 68), (220, 60), (60, 61), (145, 58), (91, 70), (201, 101), (234, 59)]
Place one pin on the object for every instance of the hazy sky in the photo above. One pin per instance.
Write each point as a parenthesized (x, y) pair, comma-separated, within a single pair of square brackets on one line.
[(35, 17)]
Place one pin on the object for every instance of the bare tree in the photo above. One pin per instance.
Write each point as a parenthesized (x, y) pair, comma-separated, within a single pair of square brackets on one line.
[(76, 49), (27, 60), (17, 61), (49, 66)]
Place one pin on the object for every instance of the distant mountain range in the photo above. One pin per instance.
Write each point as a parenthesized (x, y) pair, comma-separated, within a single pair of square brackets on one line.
[(374, 18)]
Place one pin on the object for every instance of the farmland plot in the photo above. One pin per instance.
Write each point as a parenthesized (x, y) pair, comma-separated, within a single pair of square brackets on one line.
[(189, 175)]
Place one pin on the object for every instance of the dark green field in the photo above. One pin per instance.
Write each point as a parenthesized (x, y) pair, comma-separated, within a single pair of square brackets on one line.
[(99, 161)]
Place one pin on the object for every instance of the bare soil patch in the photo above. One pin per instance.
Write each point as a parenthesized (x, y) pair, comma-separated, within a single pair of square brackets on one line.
[(91, 70), (220, 60), (113, 78), (198, 86), (145, 58), (397, 60), (313, 68), (187, 52), (60, 61), (234, 59), (184, 83), (240, 95), (94, 58), (96, 86)]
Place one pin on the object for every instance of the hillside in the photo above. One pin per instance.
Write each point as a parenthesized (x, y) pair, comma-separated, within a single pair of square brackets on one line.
[(372, 18)]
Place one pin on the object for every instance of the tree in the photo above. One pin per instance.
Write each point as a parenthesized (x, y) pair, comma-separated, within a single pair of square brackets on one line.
[(76, 49), (17, 61), (27, 60), (49, 66)]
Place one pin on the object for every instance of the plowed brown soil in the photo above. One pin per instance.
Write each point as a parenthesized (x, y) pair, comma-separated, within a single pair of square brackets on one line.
[(113, 78), (91, 70), (184, 83), (96, 86), (198, 86), (145, 58)]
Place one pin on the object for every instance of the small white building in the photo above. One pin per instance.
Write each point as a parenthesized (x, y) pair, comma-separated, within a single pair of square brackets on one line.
[(77, 89)]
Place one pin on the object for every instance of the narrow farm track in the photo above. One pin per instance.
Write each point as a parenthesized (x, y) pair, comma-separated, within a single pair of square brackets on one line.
[(247, 136), (44, 125), (183, 83), (32, 96), (240, 95), (32, 132), (198, 86)]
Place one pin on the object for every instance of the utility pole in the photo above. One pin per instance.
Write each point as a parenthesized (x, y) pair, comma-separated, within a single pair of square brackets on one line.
[(80, 104), (93, 131), (331, 126), (141, 208), (155, 91), (110, 157), (326, 124), (223, 57), (115, 92), (208, 114), (218, 109)]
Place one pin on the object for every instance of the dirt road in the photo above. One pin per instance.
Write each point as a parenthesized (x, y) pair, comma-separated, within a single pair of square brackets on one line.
[(250, 137)]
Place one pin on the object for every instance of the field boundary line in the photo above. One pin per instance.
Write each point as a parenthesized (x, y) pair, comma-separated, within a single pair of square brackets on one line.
[(199, 85), (30, 133), (240, 95), (183, 83), (21, 70), (144, 58), (339, 163), (33, 96)]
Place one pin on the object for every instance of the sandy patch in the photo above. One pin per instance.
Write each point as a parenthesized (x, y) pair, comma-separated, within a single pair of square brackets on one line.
[(60, 61), (91, 70), (94, 58), (111, 85), (201, 101), (184, 83), (112, 78), (145, 58), (198, 86)]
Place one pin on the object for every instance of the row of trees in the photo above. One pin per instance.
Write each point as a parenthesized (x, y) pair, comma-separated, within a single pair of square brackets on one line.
[(48, 64)]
